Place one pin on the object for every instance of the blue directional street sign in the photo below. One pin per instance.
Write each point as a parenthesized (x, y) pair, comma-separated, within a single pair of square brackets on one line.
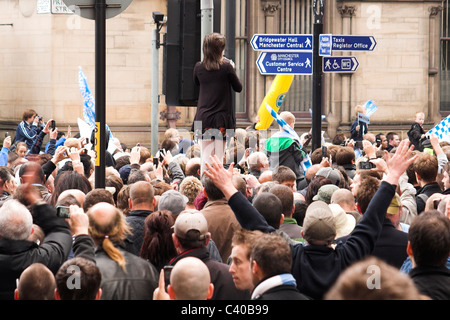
[(353, 43), (281, 42), (340, 64), (325, 41), (285, 62)]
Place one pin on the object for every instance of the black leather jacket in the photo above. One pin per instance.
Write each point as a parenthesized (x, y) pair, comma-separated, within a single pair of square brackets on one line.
[(137, 283)]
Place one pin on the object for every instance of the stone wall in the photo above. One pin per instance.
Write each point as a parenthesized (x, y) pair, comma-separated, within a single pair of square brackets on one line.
[(40, 55), (400, 75)]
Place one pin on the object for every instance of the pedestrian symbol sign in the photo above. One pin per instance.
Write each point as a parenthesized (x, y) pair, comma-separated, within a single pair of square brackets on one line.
[(340, 64)]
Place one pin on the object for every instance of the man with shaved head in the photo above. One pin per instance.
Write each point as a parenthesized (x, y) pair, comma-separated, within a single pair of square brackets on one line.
[(141, 203), (346, 200), (190, 280)]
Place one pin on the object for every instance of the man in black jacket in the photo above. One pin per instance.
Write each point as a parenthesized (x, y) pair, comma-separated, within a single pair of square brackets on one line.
[(428, 248), (426, 168), (17, 252), (317, 265), (271, 262), (142, 203)]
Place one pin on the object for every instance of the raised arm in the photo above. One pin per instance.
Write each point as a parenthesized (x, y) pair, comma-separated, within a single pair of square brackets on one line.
[(246, 214), (367, 231)]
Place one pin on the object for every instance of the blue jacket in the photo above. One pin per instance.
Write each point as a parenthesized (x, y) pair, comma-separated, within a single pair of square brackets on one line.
[(4, 156), (26, 132)]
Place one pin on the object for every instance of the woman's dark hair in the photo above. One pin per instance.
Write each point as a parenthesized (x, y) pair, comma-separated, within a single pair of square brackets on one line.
[(70, 180), (314, 186), (158, 247), (213, 47)]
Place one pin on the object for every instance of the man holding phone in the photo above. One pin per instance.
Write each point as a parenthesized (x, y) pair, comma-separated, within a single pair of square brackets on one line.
[(37, 142)]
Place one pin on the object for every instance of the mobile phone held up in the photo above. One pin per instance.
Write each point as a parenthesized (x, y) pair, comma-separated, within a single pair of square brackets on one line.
[(167, 271), (53, 125), (63, 212), (366, 165)]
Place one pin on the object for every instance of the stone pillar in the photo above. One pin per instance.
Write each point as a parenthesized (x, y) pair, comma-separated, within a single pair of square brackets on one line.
[(344, 109), (270, 9), (433, 65)]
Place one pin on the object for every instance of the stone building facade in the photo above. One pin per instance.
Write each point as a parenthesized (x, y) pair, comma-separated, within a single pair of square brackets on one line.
[(40, 55)]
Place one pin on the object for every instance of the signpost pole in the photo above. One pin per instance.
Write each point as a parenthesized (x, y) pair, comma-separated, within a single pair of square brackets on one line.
[(99, 10), (100, 92), (318, 7)]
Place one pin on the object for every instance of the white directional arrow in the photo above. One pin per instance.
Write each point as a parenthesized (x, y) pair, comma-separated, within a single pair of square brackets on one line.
[(254, 41), (355, 64), (260, 62), (374, 43)]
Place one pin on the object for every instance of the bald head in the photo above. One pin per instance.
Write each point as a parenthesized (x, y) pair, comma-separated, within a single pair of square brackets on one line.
[(78, 194), (265, 176), (193, 167), (344, 198), (142, 192), (190, 280), (102, 213)]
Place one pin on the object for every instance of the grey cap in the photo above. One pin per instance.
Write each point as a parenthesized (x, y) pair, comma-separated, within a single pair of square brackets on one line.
[(173, 201), (330, 173)]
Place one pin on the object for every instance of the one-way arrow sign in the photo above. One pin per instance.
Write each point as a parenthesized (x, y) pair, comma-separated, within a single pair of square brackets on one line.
[(340, 64), (353, 43)]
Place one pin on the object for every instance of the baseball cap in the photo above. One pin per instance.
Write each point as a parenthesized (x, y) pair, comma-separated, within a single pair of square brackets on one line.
[(191, 220), (331, 174), (395, 204), (319, 223), (173, 201), (325, 192)]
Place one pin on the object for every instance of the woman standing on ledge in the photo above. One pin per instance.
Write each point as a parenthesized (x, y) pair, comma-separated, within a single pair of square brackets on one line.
[(216, 77)]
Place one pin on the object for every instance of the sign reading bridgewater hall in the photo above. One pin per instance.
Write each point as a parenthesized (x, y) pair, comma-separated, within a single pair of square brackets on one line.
[(282, 42)]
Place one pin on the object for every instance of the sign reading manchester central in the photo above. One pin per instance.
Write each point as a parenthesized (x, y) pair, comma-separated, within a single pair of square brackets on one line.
[(282, 42)]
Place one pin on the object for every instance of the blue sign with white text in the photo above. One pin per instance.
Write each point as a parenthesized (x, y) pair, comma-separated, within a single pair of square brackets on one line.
[(340, 64), (285, 63), (353, 43), (282, 42), (325, 42)]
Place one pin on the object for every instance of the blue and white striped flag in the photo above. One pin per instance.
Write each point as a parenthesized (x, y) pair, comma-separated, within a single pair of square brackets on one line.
[(287, 128), (88, 100), (306, 163), (88, 103), (441, 129)]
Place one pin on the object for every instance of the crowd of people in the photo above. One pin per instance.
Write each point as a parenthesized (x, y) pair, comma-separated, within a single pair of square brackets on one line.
[(354, 221)]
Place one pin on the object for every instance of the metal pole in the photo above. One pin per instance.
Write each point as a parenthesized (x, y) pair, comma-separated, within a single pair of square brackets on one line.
[(100, 93), (155, 90), (317, 77), (207, 20)]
